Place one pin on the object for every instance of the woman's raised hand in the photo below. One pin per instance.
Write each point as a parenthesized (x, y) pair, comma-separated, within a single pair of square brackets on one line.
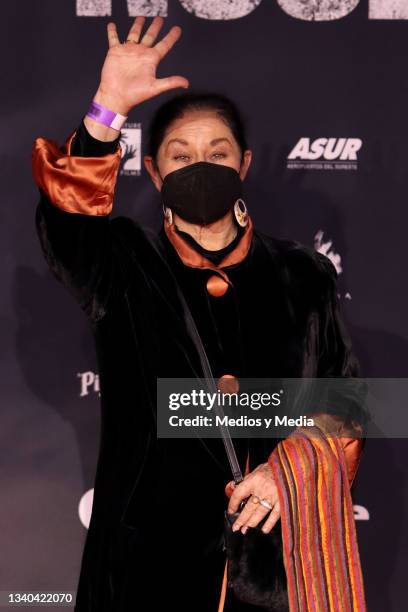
[(128, 74)]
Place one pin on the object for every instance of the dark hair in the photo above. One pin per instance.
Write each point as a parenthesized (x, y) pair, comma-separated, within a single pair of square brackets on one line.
[(174, 108)]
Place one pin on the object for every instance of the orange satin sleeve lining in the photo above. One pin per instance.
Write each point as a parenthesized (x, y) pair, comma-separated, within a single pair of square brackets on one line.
[(348, 434), (72, 183), (352, 449)]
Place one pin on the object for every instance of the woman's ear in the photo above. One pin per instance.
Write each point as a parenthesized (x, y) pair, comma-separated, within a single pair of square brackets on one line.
[(152, 169), (245, 163)]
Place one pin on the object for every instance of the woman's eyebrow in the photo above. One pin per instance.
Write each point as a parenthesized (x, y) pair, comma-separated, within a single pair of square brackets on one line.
[(180, 140), (212, 143), (218, 140)]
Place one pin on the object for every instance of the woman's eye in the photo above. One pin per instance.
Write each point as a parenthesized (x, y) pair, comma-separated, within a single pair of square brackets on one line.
[(219, 155), (184, 157)]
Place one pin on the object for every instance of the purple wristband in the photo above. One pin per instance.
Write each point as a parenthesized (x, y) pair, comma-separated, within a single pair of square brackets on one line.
[(105, 116)]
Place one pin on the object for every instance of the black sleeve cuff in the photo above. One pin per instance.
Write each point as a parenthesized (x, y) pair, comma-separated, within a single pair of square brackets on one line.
[(85, 145)]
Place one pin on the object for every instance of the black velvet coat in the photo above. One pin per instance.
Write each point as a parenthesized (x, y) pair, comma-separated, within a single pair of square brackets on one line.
[(156, 527)]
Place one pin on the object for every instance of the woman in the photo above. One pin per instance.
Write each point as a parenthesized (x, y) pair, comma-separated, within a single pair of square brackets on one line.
[(260, 305)]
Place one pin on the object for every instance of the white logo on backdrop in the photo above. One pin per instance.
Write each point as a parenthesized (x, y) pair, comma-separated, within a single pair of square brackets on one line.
[(85, 508), (325, 247), (388, 9), (89, 382), (361, 513), (324, 154), (306, 10), (130, 142)]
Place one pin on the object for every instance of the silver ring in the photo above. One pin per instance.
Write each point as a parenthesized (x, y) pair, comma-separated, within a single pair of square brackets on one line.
[(266, 504)]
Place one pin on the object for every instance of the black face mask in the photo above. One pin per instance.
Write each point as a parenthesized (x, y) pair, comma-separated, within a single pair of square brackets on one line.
[(202, 192)]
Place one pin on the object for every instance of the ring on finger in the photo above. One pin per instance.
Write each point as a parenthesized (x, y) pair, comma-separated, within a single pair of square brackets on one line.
[(132, 40), (266, 503), (255, 499)]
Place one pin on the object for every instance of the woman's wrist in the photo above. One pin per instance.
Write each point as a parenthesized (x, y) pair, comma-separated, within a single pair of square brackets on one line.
[(111, 101), (100, 131), (96, 128)]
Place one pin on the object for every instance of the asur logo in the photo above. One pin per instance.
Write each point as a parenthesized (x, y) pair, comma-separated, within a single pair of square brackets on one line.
[(325, 154)]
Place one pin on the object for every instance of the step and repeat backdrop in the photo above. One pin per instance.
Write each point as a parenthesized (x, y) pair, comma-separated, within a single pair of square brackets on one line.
[(323, 88)]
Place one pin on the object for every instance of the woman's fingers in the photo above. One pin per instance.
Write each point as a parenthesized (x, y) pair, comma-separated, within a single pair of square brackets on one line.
[(163, 46), (250, 516), (241, 492), (272, 519), (250, 507), (229, 488), (135, 30), (152, 31), (258, 486), (260, 513), (253, 514), (166, 43), (113, 38), (255, 518), (172, 82)]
